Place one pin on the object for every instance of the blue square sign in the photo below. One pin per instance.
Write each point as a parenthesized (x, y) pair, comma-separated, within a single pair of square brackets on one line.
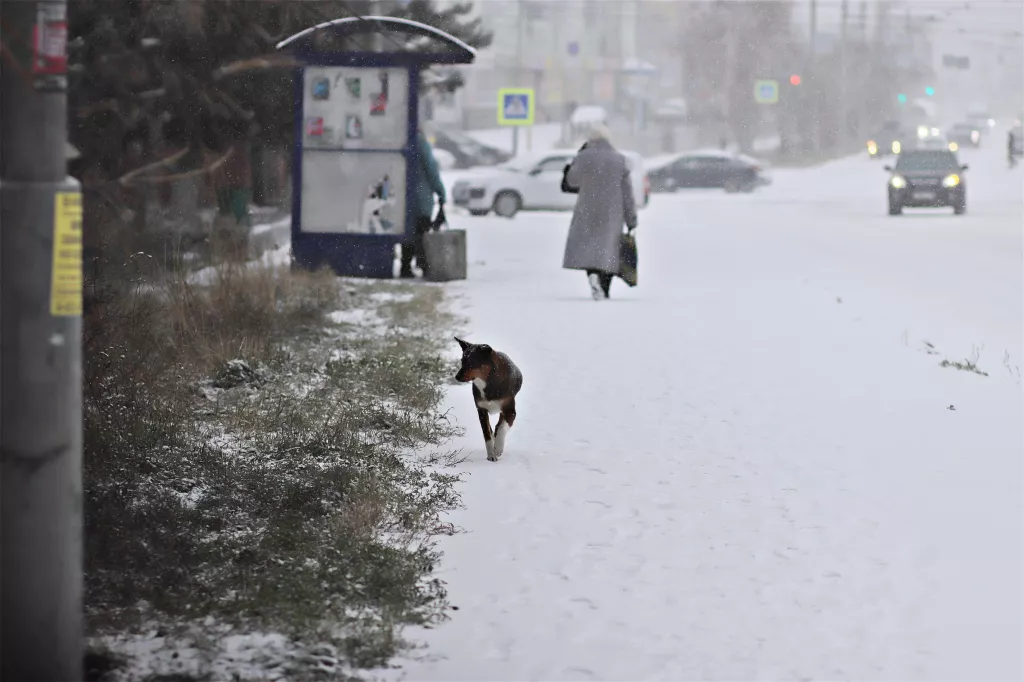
[(766, 92), (515, 106)]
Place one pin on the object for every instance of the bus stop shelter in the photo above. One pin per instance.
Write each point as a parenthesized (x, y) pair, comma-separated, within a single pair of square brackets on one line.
[(356, 120)]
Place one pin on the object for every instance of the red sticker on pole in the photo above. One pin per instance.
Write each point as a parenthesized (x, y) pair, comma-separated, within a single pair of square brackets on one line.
[(50, 40)]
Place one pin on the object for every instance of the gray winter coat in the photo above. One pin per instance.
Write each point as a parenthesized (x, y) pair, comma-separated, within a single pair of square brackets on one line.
[(605, 202)]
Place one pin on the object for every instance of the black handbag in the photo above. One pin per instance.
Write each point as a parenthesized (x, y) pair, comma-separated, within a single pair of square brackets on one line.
[(628, 258), (566, 187), (440, 219)]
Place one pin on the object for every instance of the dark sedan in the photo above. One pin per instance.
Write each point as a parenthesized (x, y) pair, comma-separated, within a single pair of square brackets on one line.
[(964, 134), (888, 140), (927, 178), (467, 151), (712, 169)]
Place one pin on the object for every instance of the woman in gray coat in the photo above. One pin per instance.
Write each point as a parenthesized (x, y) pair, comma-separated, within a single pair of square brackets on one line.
[(605, 202)]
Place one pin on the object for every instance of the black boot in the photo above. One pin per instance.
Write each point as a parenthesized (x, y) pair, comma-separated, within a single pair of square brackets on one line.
[(406, 270)]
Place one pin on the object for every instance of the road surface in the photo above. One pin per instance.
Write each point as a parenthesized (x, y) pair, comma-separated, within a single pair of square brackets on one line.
[(752, 466)]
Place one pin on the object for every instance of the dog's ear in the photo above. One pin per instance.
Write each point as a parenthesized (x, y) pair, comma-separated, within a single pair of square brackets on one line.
[(484, 348), (463, 343)]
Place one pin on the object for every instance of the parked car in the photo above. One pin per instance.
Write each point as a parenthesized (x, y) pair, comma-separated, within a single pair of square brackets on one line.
[(707, 169), (927, 178), (982, 119), (533, 182), (445, 159), (466, 151), (964, 134)]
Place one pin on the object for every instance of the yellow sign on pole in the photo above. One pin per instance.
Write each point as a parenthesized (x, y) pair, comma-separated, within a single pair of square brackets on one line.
[(66, 284), (516, 106)]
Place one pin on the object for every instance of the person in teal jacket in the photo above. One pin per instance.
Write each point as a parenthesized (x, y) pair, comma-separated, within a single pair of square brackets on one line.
[(426, 179)]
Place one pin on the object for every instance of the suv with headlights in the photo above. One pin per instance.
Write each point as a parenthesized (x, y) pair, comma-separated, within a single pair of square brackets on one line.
[(927, 178)]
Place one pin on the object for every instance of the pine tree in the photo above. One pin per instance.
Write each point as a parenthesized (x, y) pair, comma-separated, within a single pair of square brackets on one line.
[(154, 76), (452, 20)]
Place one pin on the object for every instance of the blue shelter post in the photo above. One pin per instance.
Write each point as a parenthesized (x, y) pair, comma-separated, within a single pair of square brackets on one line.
[(356, 121)]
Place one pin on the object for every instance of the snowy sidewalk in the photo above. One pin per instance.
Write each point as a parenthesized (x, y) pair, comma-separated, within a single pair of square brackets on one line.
[(745, 468)]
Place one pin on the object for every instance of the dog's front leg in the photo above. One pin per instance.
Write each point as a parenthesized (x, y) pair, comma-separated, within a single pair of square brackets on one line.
[(505, 421), (485, 426)]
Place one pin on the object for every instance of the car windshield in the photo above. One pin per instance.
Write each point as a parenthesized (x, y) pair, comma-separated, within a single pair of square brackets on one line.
[(963, 126), (464, 142), (520, 164), (891, 126), (936, 161)]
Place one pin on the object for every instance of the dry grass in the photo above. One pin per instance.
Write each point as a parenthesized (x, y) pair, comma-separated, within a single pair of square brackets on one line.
[(294, 504)]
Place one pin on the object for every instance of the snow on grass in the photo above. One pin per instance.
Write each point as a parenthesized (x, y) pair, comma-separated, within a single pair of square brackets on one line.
[(195, 654), (274, 258), (280, 224), (356, 316), (328, 479)]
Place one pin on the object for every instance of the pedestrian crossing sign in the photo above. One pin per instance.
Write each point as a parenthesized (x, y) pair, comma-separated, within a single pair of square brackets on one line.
[(766, 92), (516, 106)]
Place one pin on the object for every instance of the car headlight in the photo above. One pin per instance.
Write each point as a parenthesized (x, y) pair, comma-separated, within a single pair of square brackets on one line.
[(922, 132), (935, 132), (896, 147), (953, 146), (898, 182), (872, 147), (951, 180), (974, 136)]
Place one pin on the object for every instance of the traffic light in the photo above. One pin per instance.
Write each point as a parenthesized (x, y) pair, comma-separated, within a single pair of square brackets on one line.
[(929, 91), (901, 98), (794, 79)]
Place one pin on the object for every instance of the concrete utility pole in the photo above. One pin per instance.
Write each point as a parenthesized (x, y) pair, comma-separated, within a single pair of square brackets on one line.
[(842, 132), (520, 23), (40, 354), (814, 87), (730, 74)]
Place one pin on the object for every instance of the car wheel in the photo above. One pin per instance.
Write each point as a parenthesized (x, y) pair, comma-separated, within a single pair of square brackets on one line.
[(479, 211), (960, 207), (732, 186), (507, 204), (895, 209)]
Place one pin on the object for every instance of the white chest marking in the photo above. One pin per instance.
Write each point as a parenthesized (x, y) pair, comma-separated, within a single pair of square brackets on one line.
[(492, 406)]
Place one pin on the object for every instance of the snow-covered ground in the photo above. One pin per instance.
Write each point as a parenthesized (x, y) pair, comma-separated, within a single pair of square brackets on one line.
[(752, 466)]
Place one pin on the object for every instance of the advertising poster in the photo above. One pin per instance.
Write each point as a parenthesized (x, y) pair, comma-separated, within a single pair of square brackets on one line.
[(353, 193), (356, 107)]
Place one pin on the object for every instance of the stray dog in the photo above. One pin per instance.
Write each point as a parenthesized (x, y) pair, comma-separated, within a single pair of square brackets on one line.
[(496, 381)]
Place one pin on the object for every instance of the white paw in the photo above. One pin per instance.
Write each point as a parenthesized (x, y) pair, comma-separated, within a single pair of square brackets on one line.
[(499, 441), (490, 451)]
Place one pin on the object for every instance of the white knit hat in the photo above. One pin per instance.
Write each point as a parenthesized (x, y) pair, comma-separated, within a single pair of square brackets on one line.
[(599, 131)]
